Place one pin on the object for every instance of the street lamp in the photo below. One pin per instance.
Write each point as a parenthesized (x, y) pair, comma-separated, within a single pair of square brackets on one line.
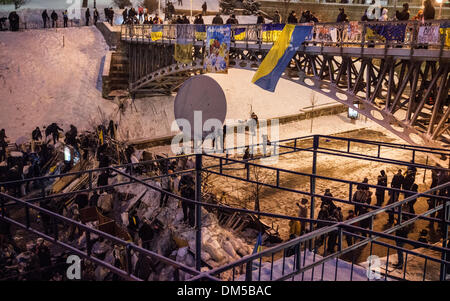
[(440, 8)]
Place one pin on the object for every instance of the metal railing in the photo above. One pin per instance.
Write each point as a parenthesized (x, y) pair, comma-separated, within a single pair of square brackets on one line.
[(216, 166), (401, 34)]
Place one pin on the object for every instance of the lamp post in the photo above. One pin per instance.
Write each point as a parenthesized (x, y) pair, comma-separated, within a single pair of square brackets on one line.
[(191, 10), (159, 7)]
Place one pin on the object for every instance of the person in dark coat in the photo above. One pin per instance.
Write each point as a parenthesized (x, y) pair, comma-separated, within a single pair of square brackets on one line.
[(381, 181), (260, 19), (36, 135), (232, 20), (397, 182), (53, 129), (276, 18), (14, 21), (185, 20), (87, 16), (125, 16), (111, 16), (186, 187), (96, 16), (428, 11), (199, 20), (204, 8), (403, 233), (112, 128), (3, 145), (404, 14), (54, 17), (217, 20), (408, 182), (45, 18), (292, 18), (71, 137)]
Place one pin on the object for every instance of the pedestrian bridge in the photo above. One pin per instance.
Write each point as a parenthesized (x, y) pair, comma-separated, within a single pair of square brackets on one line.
[(400, 83)]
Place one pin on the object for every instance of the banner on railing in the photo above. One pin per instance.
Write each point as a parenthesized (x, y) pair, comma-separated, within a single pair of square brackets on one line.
[(217, 48), (271, 32), (325, 33), (384, 33), (156, 33), (445, 31), (200, 32), (428, 35), (183, 48)]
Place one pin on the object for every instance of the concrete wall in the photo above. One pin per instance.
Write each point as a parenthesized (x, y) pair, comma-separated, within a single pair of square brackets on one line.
[(328, 12), (110, 33)]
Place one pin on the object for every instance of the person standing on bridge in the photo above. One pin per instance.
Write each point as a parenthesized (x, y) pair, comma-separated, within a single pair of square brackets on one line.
[(404, 14), (381, 181), (54, 17), (204, 8)]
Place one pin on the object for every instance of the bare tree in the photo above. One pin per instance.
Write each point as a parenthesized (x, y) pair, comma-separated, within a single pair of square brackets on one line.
[(286, 4)]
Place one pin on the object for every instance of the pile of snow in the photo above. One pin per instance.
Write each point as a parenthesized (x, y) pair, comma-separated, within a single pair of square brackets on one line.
[(344, 270), (219, 245)]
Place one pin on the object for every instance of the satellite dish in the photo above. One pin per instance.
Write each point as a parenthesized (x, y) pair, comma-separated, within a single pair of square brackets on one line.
[(204, 94)]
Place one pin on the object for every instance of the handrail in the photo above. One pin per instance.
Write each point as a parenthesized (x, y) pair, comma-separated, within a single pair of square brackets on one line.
[(349, 34)]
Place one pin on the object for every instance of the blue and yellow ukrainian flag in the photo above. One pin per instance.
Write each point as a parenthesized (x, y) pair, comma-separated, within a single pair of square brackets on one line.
[(239, 34), (279, 56), (156, 33), (271, 32), (258, 245), (200, 32), (445, 31)]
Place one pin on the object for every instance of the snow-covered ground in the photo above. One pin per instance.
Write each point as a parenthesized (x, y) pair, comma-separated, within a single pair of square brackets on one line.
[(42, 82), (329, 267)]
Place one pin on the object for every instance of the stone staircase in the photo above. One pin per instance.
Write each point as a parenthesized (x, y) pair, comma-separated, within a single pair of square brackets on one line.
[(116, 72)]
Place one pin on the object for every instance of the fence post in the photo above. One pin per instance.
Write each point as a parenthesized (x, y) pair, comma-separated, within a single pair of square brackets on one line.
[(313, 181), (444, 239), (198, 211)]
